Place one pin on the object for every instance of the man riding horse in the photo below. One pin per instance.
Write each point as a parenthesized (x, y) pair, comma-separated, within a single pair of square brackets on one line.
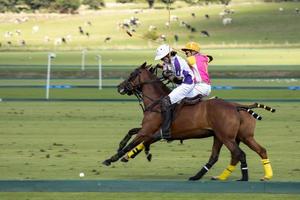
[(178, 71), (216, 117)]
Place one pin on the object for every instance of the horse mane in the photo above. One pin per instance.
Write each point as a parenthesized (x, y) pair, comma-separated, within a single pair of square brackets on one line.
[(151, 71)]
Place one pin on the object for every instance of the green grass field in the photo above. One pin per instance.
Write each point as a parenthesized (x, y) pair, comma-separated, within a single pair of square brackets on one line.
[(232, 58), (79, 136)]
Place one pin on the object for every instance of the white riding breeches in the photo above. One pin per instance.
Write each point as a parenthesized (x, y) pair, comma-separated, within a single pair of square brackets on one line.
[(182, 91), (202, 88)]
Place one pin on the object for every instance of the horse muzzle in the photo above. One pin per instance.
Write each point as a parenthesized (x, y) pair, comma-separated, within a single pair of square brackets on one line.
[(121, 90)]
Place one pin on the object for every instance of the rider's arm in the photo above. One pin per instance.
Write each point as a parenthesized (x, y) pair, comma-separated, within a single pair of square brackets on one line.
[(191, 61)]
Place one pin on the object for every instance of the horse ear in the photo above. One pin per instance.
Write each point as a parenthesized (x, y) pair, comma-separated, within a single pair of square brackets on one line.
[(144, 65)]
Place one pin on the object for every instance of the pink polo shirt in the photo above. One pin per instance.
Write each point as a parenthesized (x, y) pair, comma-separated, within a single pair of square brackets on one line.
[(199, 65)]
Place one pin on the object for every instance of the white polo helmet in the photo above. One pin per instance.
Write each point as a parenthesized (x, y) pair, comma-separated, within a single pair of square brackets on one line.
[(162, 51)]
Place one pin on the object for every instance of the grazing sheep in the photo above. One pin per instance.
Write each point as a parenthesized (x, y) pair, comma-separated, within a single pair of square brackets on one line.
[(57, 41), (193, 30), (134, 21), (152, 28), (89, 23), (81, 30), (107, 39), (174, 18), (163, 37), (227, 21), (8, 34), (18, 32), (35, 29), (69, 38), (205, 33), (22, 43), (64, 40), (176, 37)]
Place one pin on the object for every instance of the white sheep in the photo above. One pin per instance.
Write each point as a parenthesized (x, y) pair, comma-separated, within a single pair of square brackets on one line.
[(227, 21)]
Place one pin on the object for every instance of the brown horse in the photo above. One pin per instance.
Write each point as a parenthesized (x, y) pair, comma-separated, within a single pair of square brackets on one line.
[(215, 117)]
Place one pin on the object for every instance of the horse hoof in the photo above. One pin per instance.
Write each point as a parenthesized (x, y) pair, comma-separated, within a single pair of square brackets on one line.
[(264, 179), (214, 178), (193, 178), (242, 179), (106, 162), (149, 157), (124, 160)]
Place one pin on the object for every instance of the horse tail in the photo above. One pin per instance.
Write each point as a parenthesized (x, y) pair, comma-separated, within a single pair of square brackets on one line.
[(251, 112), (258, 105)]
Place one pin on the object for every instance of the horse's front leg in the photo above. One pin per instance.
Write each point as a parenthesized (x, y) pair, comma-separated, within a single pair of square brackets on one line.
[(217, 145), (148, 140), (131, 150), (136, 141), (127, 137)]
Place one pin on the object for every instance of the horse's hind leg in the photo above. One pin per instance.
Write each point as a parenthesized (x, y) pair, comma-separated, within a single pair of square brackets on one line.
[(261, 151), (238, 154), (217, 145), (229, 169)]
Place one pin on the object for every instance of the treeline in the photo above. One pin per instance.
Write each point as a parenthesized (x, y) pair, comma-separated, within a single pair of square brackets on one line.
[(61, 6)]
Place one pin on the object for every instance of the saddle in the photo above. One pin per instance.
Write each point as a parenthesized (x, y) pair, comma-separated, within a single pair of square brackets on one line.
[(192, 100)]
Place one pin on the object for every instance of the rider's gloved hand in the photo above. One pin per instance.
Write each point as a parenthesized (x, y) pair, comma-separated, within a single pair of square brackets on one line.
[(167, 73), (210, 58), (158, 66), (176, 79)]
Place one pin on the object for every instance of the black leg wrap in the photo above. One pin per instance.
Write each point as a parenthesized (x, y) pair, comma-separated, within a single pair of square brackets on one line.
[(201, 173), (127, 137), (244, 167), (124, 142), (244, 170)]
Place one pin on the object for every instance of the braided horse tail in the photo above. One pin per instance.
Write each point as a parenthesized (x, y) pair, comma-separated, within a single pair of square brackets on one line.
[(248, 108)]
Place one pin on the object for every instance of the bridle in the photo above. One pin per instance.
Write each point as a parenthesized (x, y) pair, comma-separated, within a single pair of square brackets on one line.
[(136, 89)]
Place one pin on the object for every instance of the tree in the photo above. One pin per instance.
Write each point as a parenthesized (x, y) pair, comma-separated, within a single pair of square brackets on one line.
[(150, 3), (38, 4), (168, 1), (9, 5), (67, 6), (94, 4)]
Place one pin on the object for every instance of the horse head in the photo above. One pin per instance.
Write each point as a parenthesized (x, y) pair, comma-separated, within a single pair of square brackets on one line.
[(133, 84)]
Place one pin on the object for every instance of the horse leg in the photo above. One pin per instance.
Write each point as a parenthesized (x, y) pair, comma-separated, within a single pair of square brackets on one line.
[(229, 169), (127, 137), (262, 152), (217, 145), (147, 144), (137, 142), (238, 154)]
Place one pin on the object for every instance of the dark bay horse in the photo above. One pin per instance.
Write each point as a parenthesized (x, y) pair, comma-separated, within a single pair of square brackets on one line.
[(214, 117)]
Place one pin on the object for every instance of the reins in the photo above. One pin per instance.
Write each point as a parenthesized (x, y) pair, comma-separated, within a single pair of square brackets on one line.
[(140, 96)]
